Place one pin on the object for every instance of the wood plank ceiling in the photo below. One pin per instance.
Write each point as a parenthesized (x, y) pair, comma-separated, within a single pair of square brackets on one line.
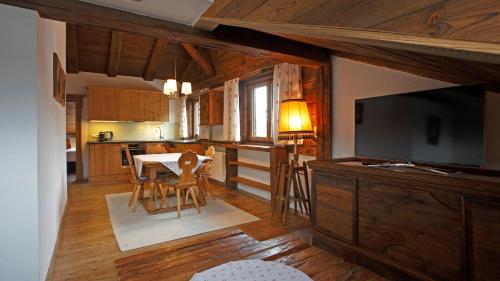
[(454, 40), (451, 40)]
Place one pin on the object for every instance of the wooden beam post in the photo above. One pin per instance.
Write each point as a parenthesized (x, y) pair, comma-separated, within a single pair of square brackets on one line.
[(115, 50), (203, 62), (157, 53), (72, 65)]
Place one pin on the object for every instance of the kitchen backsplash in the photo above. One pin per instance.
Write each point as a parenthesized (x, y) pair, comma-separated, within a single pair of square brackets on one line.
[(134, 130)]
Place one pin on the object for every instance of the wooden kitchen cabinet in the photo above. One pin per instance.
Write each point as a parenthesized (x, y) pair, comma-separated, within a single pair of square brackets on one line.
[(105, 163), (212, 108), (127, 105), (204, 109)]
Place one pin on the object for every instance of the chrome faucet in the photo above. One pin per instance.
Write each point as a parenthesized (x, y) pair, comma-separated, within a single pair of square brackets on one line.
[(159, 129)]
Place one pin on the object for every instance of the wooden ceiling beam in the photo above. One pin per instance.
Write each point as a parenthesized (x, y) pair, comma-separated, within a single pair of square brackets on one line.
[(187, 71), (240, 40), (159, 50), (203, 62), (72, 64), (115, 50), (467, 50)]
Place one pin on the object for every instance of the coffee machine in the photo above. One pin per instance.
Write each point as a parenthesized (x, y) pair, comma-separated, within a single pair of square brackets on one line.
[(105, 136)]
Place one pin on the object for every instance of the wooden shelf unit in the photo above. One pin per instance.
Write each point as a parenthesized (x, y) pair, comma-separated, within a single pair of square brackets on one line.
[(277, 154), (251, 165), (251, 183)]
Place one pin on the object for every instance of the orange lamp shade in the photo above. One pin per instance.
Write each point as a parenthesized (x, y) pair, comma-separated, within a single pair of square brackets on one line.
[(295, 122)]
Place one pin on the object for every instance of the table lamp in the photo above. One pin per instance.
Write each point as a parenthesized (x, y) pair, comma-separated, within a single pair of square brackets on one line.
[(295, 123)]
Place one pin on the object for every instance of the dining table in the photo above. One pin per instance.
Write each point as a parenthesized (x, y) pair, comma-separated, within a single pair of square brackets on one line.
[(151, 165)]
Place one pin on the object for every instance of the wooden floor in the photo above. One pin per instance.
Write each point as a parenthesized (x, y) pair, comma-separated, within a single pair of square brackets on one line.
[(87, 246), (182, 261)]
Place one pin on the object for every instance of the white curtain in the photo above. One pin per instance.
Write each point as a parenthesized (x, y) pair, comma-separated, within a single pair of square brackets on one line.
[(183, 122), (231, 124), (287, 84)]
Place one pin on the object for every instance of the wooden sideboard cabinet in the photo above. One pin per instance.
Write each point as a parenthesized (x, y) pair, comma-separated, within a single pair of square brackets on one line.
[(212, 108), (408, 224), (126, 105)]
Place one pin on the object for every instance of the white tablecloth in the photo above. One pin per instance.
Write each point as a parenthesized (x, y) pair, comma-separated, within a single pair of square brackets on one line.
[(251, 270), (169, 160)]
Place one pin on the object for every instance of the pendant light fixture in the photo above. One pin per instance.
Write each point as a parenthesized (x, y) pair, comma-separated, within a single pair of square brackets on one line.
[(170, 87)]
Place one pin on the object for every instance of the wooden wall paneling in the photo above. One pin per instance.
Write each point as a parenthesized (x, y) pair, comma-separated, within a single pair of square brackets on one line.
[(136, 52), (159, 50), (325, 100), (115, 50), (72, 64), (482, 232)]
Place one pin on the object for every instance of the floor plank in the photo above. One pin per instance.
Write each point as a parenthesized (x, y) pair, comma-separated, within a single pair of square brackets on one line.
[(87, 248), (179, 264)]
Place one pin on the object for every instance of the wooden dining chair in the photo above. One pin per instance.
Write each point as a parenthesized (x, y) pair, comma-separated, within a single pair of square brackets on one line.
[(139, 182), (204, 174), (136, 180), (156, 148), (186, 180)]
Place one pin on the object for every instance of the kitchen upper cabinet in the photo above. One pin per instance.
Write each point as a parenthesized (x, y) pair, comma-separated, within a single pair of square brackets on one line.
[(212, 108), (127, 105)]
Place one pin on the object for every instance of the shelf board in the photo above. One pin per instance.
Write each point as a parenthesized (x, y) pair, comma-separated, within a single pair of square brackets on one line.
[(250, 147), (251, 183), (250, 165)]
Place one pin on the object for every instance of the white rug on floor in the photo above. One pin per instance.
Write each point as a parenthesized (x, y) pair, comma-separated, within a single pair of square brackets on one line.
[(138, 229)]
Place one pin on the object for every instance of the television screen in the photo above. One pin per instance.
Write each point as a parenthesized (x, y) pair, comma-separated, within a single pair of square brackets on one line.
[(444, 126)]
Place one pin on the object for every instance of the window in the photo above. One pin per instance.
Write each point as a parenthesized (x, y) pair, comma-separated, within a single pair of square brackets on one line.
[(258, 108)]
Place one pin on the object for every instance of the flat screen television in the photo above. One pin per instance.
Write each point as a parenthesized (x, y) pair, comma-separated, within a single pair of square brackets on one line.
[(440, 126)]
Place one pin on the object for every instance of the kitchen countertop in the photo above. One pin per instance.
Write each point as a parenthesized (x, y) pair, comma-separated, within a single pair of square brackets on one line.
[(144, 141)]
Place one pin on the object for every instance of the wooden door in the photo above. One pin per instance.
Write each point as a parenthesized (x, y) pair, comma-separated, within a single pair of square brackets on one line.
[(204, 109), (126, 105), (216, 108), (149, 107)]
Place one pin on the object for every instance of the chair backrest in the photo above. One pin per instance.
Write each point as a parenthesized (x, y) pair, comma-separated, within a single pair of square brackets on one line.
[(156, 148), (133, 173), (187, 162), (210, 152)]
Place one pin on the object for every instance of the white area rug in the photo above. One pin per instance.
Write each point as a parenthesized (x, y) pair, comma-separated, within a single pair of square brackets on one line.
[(138, 229)]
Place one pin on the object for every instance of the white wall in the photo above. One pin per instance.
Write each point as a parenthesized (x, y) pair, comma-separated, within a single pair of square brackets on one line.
[(353, 80), (52, 186), (18, 145), (33, 168)]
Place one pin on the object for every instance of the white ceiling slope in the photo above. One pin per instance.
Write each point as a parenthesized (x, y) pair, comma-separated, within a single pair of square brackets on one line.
[(77, 84), (181, 11)]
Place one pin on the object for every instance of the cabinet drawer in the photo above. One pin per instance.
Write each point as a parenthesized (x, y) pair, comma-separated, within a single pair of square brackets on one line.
[(334, 212), (419, 229)]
